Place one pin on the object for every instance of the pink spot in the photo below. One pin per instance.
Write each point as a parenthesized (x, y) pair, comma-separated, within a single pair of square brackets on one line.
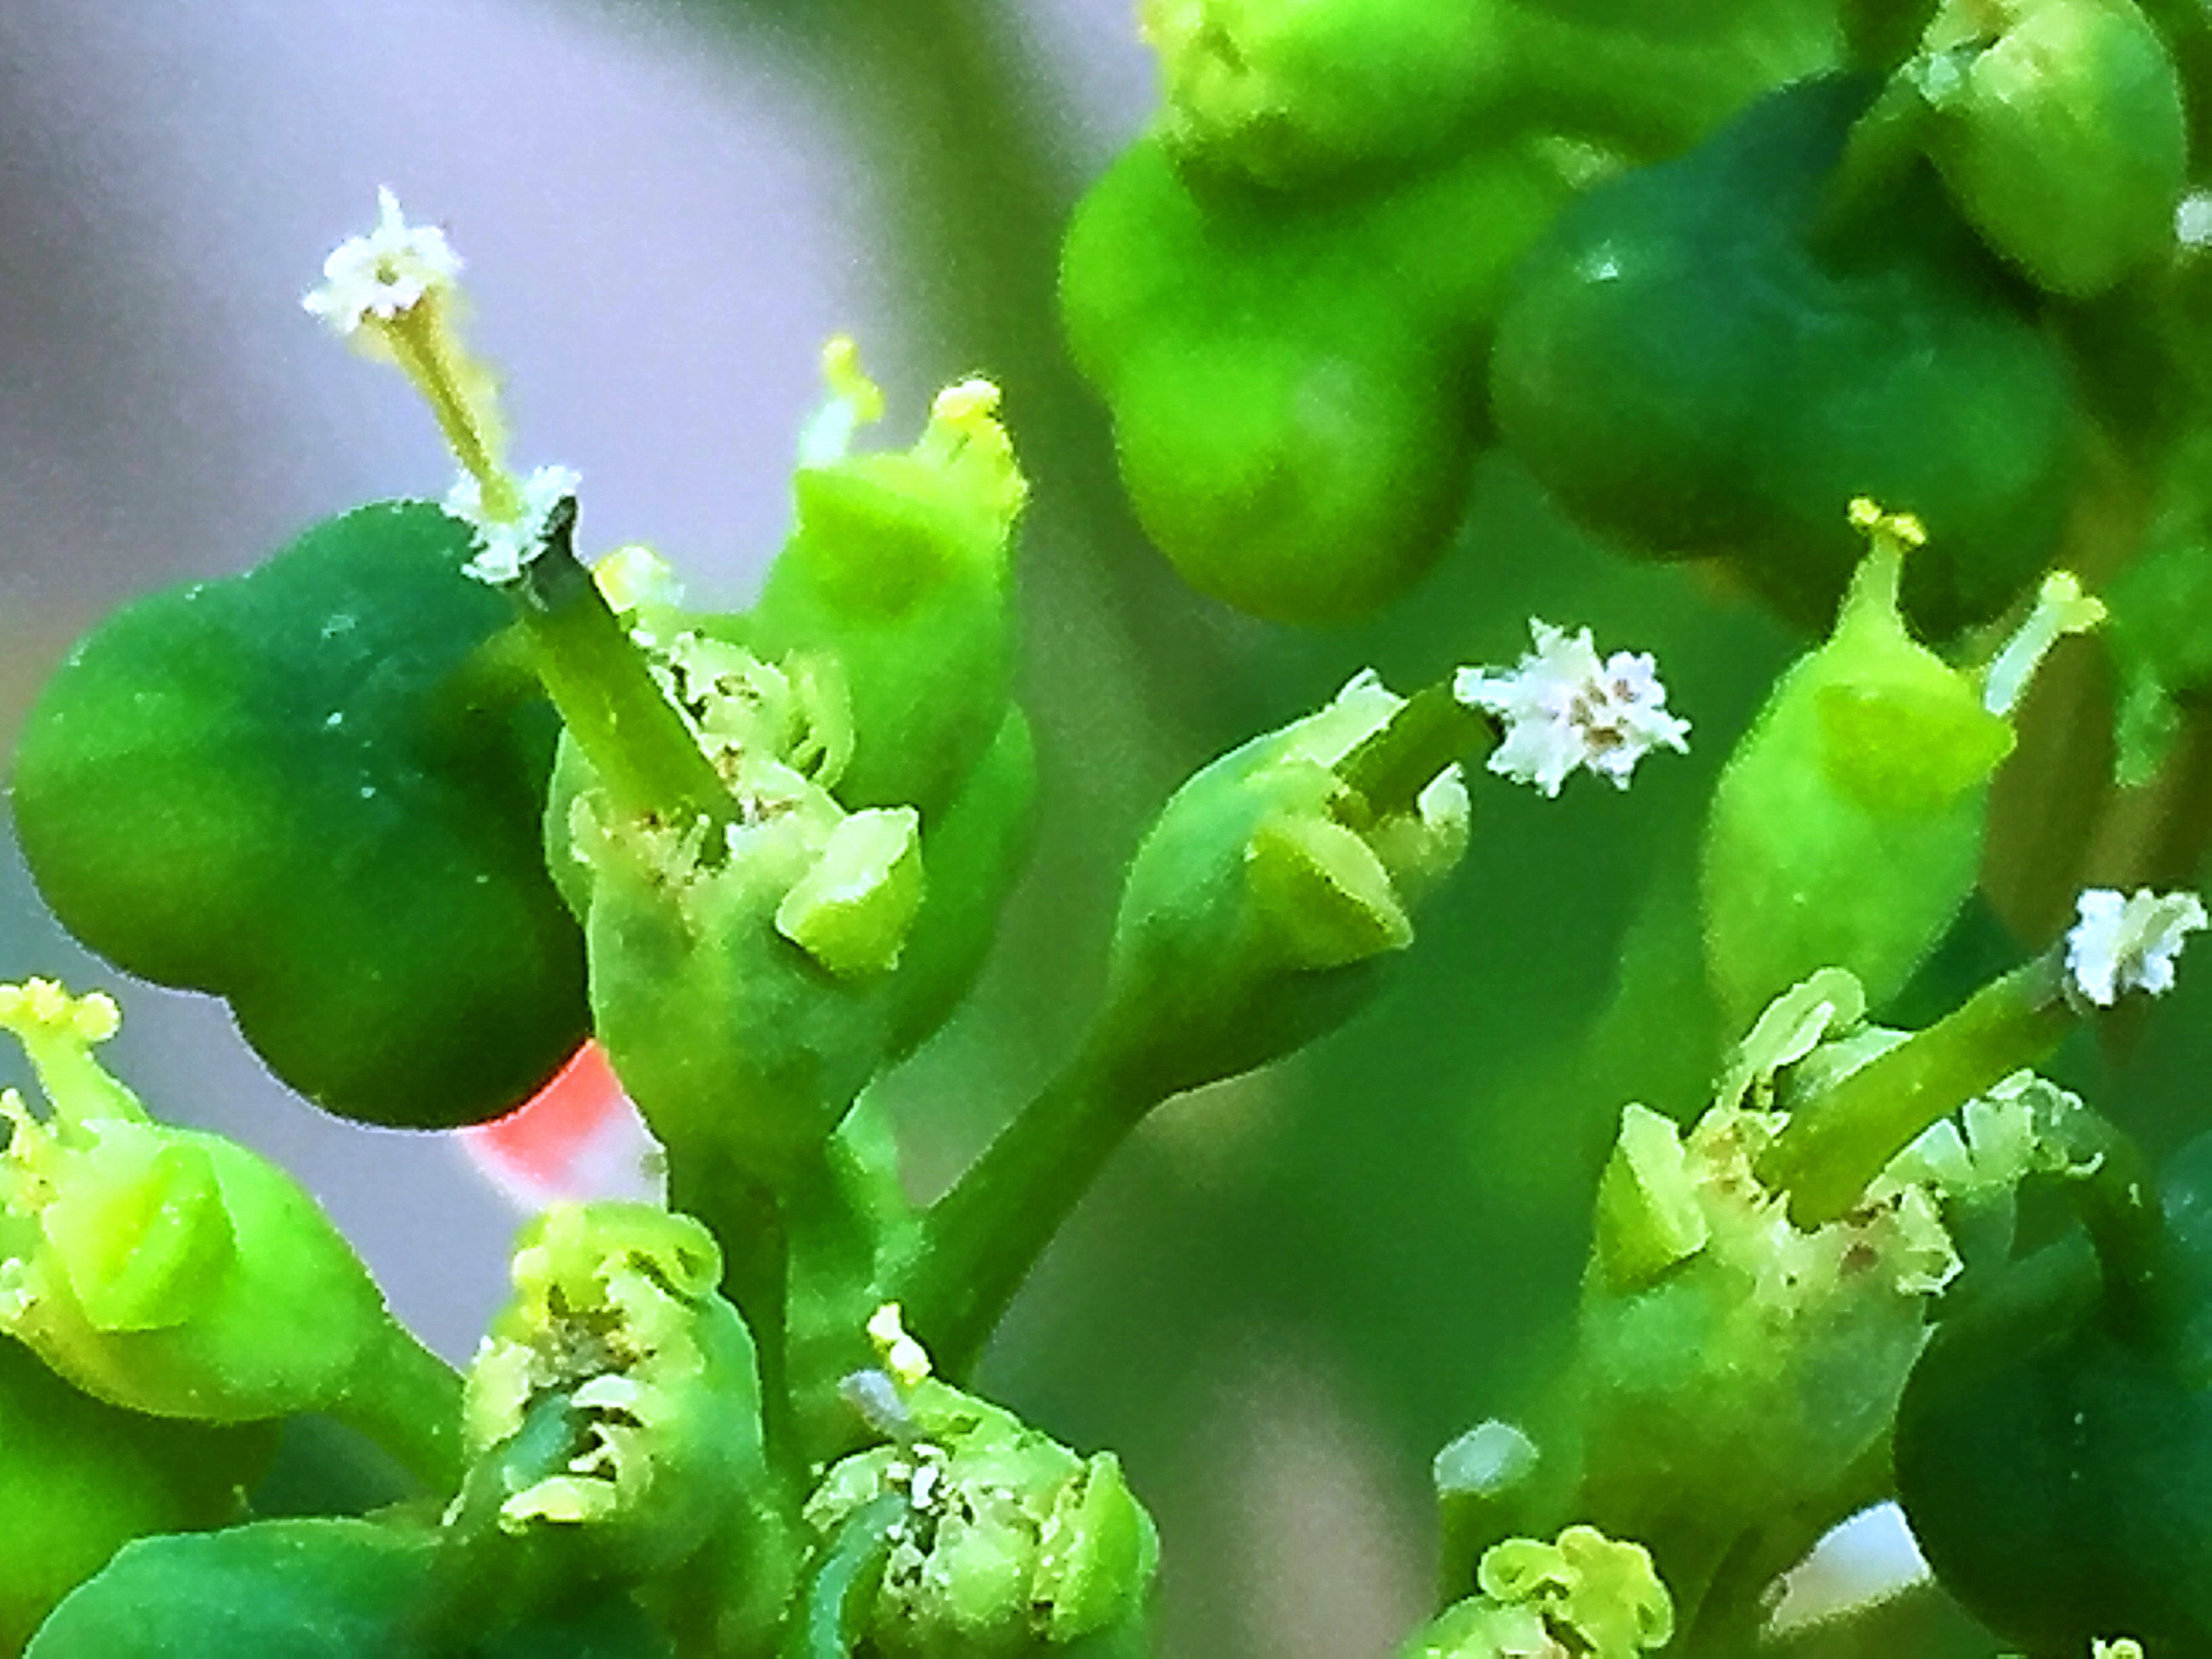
[(577, 1138)]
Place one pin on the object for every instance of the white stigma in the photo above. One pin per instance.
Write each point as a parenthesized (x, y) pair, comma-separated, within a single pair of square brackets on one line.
[(2123, 944), (506, 546), (383, 275), (1565, 710)]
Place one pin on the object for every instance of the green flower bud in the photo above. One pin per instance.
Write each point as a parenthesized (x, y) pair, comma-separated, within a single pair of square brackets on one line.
[(79, 1479), (1846, 829), (1584, 1594), (314, 1587), (614, 1407), (175, 1272), (2059, 129), (1263, 903), (1007, 1544), (897, 572)]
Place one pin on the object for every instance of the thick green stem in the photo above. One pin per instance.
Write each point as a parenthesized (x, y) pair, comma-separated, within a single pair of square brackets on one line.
[(645, 755), (1840, 1141), (408, 1401), (980, 1240)]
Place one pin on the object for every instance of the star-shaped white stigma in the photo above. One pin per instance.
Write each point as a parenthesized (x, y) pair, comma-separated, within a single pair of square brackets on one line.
[(1565, 710), (383, 275), (2123, 944)]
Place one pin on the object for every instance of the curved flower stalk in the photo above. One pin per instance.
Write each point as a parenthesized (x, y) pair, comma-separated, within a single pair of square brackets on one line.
[(175, 1272)]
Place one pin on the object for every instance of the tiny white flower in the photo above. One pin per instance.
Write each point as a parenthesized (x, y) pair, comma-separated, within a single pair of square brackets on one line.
[(2123, 944), (385, 274), (1564, 709), (505, 546)]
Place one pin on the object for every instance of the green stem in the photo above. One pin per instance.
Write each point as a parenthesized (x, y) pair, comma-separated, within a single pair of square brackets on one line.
[(1387, 773), (1840, 1141), (747, 1220), (980, 1240), (645, 755), (408, 1401)]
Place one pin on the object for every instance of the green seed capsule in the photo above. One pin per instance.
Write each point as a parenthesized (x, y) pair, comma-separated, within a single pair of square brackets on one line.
[(1846, 829), (2059, 129), (1693, 367), (313, 790), (2054, 1447), (1295, 387)]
